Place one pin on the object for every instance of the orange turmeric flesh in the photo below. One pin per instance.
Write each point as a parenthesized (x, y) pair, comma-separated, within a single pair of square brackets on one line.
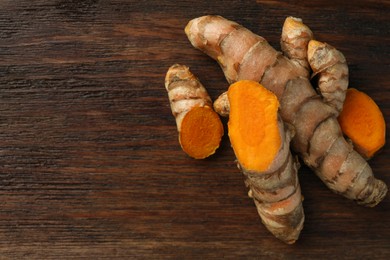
[(253, 125), (363, 122), (201, 132)]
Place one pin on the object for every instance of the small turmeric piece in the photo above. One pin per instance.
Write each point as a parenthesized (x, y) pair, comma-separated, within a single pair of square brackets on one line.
[(362, 121), (221, 105), (261, 144), (199, 126)]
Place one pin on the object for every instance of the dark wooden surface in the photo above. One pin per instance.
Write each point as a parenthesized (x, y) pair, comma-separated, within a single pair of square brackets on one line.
[(90, 165)]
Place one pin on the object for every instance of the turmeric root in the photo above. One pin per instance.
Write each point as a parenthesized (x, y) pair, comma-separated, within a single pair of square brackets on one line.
[(363, 122), (294, 41), (328, 64), (318, 139), (200, 128), (261, 145), (332, 70)]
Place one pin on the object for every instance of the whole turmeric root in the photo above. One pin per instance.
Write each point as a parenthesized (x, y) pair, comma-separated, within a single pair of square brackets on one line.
[(318, 139), (262, 147), (200, 128)]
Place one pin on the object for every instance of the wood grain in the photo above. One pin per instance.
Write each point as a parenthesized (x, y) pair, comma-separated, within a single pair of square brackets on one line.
[(90, 165)]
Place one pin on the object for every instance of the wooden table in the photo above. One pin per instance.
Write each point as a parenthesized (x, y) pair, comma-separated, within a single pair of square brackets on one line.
[(90, 164)]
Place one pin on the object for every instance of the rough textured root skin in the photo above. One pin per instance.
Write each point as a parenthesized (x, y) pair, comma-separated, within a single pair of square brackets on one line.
[(254, 65), (184, 91), (200, 128), (310, 115), (330, 66), (277, 195), (201, 34), (291, 102), (288, 80), (363, 122), (349, 174), (209, 43), (275, 190), (295, 39)]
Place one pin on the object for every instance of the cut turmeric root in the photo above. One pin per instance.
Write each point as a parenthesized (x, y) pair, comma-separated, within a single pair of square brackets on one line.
[(261, 145), (253, 125), (319, 140), (362, 121), (200, 128)]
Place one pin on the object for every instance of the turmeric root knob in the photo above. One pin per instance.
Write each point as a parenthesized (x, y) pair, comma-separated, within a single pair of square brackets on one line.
[(295, 38), (363, 122), (200, 128), (253, 125), (331, 67)]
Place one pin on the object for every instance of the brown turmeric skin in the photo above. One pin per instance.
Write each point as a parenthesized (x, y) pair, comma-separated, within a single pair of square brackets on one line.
[(261, 144), (200, 128), (330, 66), (363, 122), (319, 140), (294, 41)]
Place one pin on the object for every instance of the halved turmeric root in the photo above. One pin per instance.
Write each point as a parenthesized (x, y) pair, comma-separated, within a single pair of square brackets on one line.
[(253, 125), (362, 121), (261, 144), (200, 128)]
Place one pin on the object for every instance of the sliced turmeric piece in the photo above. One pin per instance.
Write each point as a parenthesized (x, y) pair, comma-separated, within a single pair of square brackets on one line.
[(362, 121), (253, 125), (201, 131), (199, 126), (262, 147)]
